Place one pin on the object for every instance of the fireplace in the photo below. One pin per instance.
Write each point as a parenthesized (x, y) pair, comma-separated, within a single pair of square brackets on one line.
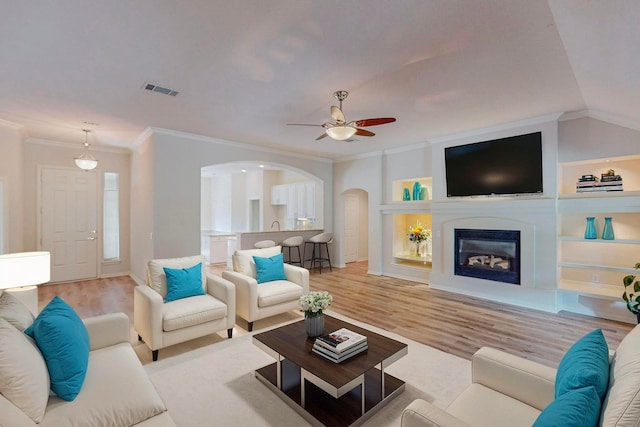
[(488, 254)]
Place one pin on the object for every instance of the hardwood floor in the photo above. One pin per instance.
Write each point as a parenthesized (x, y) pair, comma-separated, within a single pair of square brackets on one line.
[(450, 322)]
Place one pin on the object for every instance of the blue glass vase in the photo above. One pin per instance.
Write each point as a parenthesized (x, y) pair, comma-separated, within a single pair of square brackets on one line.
[(607, 232), (590, 231), (416, 190), (405, 195)]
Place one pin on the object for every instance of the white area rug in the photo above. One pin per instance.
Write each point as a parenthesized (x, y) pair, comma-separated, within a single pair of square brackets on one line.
[(214, 385)]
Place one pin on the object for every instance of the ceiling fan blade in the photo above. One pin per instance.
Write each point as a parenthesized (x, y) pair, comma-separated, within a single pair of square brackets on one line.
[(321, 136), (363, 132), (374, 122), (337, 115), (301, 124)]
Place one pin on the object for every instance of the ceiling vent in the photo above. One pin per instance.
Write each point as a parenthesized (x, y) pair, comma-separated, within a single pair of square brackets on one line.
[(160, 89)]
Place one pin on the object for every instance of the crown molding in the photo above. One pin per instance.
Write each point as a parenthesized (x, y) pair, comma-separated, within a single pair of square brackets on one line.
[(359, 156), (75, 145), (235, 144), (11, 125), (553, 117), (602, 116)]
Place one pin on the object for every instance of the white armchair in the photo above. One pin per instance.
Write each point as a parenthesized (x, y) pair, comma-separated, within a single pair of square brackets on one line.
[(257, 301), (161, 324)]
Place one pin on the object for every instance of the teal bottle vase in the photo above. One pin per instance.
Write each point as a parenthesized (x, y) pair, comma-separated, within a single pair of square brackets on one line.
[(590, 231), (607, 232), (416, 190), (405, 195)]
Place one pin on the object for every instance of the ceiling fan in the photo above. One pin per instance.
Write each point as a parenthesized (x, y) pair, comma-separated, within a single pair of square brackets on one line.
[(341, 130)]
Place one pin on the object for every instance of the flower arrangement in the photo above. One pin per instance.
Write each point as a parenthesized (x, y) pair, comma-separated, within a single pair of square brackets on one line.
[(632, 296), (313, 303), (419, 234)]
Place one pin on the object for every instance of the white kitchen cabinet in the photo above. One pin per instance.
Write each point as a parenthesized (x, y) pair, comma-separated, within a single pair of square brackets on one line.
[(279, 194)]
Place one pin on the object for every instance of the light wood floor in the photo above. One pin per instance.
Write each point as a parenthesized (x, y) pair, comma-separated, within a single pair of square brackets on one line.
[(450, 322)]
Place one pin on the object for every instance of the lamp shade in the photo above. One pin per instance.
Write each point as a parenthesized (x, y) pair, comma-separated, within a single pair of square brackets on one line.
[(24, 269), (341, 132), (86, 161)]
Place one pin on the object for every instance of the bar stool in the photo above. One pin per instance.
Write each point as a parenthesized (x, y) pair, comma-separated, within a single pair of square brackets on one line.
[(292, 242), (264, 244), (318, 241)]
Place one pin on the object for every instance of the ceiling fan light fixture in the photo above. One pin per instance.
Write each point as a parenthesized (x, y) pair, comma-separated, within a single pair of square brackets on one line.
[(86, 161), (341, 132)]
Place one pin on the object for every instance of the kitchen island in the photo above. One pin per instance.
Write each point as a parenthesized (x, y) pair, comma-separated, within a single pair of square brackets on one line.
[(246, 239)]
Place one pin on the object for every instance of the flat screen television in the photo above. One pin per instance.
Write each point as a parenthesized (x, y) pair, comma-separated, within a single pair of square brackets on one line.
[(505, 166)]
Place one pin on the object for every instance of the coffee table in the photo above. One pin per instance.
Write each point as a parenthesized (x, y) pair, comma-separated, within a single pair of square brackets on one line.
[(324, 392)]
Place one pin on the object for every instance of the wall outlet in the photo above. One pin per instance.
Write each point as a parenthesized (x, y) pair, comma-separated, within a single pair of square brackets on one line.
[(595, 278)]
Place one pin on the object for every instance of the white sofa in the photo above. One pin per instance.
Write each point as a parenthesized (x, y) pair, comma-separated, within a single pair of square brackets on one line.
[(161, 324), (116, 390), (257, 301), (507, 390)]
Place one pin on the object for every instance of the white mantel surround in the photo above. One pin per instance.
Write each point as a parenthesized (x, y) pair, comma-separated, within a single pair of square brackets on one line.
[(533, 217)]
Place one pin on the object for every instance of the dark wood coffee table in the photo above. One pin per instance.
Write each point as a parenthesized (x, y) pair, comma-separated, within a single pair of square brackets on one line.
[(324, 392)]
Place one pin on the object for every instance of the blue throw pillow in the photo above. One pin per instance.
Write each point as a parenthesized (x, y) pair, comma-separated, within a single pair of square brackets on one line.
[(270, 269), (183, 282), (586, 363), (575, 408), (63, 341)]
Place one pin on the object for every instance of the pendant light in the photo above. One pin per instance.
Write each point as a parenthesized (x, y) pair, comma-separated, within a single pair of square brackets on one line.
[(86, 161)]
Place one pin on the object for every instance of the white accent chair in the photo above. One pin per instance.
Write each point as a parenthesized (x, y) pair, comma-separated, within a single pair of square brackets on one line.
[(257, 301), (161, 324), (507, 390)]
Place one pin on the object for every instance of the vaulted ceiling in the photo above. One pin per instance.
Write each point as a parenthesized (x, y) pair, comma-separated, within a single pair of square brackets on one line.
[(246, 68)]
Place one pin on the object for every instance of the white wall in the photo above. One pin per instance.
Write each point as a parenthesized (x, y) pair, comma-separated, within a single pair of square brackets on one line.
[(363, 173), (142, 208), (177, 161), (11, 173), (586, 138)]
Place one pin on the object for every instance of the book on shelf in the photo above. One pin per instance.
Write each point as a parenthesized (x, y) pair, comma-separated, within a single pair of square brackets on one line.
[(610, 178), (588, 178), (599, 188), (339, 357), (341, 340)]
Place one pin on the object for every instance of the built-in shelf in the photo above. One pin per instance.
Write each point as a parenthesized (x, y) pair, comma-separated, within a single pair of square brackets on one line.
[(399, 185), (588, 288), (410, 257), (595, 267), (597, 241)]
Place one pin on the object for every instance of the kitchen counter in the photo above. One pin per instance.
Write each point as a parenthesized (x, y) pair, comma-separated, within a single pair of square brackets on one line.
[(247, 239)]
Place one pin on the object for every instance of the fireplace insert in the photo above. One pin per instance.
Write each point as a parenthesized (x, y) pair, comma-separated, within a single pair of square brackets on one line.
[(488, 254)]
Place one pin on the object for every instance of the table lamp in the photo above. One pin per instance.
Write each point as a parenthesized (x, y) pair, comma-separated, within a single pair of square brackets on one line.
[(21, 272)]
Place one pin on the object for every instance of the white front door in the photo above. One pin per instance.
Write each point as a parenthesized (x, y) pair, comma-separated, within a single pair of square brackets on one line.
[(67, 222)]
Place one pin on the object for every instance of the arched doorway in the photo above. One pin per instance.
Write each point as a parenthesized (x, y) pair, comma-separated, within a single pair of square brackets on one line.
[(356, 225)]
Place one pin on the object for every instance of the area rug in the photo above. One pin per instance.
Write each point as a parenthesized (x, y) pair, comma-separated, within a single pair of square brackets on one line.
[(214, 385)]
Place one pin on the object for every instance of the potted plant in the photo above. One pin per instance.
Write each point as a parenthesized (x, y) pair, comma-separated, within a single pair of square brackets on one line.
[(312, 305), (631, 293)]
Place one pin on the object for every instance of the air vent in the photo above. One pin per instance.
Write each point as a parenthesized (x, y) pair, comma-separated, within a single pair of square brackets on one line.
[(160, 89)]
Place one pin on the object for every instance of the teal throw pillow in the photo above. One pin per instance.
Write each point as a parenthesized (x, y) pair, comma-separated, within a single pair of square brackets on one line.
[(63, 341), (575, 408), (269, 269), (586, 363), (183, 282)]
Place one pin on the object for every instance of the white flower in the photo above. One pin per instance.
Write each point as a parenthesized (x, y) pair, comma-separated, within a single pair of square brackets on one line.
[(315, 302)]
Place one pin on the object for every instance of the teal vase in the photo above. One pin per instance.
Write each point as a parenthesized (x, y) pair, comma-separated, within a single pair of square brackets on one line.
[(590, 231), (416, 190), (405, 195), (607, 232)]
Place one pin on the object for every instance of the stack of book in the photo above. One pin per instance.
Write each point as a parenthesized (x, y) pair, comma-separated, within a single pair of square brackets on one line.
[(589, 183), (340, 345)]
